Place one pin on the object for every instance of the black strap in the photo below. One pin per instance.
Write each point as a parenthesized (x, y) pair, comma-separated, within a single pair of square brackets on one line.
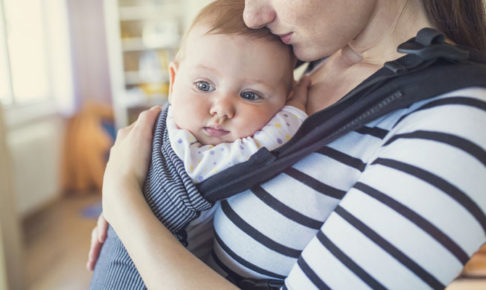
[(431, 67)]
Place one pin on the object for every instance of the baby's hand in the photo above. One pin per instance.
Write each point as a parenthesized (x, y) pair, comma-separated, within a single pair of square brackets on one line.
[(299, 94)]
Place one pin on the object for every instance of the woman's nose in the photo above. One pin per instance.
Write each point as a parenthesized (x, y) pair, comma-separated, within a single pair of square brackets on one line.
[(222, 108), (258, 13)]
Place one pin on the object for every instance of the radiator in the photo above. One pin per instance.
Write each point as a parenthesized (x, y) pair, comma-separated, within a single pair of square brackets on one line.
[(36, 150)]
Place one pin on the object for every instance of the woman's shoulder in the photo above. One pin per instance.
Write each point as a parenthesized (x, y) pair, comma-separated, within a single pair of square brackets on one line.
[(471, 99), (471, 92), (460, 113)]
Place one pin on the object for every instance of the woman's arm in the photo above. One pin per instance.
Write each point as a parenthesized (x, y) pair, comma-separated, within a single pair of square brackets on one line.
[(160, 259), (417, 212)]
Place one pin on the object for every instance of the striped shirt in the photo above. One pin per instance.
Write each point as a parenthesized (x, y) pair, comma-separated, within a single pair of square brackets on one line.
[(399, 203)]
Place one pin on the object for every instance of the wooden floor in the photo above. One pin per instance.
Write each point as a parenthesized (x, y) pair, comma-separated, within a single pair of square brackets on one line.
[(57, 243), (474, 274)]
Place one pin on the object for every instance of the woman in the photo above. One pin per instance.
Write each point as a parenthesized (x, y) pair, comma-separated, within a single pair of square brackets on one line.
[(398, 202)]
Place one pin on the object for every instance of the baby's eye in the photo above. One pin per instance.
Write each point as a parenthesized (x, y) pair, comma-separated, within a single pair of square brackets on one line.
[(251, 96), (204, 86)]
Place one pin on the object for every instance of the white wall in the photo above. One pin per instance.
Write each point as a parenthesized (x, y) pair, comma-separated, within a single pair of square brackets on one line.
[(89, 52)]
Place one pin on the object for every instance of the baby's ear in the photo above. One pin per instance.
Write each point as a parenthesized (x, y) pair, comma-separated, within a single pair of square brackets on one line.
[(173, 66)]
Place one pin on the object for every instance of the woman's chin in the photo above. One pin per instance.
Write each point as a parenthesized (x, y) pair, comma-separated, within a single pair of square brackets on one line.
[(306, 53)]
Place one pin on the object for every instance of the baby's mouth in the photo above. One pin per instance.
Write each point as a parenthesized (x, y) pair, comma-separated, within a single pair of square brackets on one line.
[(215, 132)]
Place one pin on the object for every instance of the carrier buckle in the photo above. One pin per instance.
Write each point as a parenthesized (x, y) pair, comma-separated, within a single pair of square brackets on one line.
[(431, 44)]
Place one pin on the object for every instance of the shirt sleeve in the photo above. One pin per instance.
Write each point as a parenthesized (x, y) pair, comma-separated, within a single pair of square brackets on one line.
[(416, 214), (280, 129)]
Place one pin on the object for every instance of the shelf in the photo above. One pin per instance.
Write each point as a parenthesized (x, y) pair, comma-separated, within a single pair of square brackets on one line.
[(136, 98), (133, 78), (142, 39), (135, 109), (137, 44)]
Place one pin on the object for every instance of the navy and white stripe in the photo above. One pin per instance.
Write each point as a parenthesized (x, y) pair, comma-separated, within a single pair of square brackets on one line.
[(399, 203), (168, 189), (172, 197)]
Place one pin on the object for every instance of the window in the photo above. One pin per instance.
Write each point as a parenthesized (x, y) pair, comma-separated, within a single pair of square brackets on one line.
[(5, 94), (24, 50), (35, 60)]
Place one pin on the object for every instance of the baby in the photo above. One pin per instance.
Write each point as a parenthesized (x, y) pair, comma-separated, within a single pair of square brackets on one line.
[(226, 84), (229, 95)]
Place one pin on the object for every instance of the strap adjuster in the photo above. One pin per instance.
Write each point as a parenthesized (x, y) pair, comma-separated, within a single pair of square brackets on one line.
[(430, 44)]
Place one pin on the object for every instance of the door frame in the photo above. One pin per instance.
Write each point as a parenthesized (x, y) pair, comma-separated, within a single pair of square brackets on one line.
[(11, 246)]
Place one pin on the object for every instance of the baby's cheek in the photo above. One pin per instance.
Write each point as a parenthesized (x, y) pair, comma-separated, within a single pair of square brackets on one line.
[(252, 127), (183, 121), (253, 119)]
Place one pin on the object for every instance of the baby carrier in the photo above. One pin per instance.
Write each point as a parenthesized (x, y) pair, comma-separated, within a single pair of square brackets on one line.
[(430, 67)]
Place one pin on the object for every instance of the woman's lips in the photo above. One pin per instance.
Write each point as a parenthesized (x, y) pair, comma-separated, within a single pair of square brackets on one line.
[(286, 38), (215, 132)]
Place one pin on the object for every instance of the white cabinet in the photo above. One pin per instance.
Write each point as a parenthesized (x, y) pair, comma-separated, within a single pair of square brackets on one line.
[(142, 38)]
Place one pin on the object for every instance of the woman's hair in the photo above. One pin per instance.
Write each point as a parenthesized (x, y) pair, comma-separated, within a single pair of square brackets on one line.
[(463, 21)]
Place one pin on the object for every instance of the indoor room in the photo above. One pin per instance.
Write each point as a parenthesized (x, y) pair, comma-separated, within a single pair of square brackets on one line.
[(72, 73)]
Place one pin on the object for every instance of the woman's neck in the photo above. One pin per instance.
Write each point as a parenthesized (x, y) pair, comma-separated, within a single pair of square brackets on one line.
[(392, 23)]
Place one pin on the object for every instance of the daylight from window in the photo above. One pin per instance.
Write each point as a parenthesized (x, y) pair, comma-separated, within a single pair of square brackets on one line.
[(23, 57)]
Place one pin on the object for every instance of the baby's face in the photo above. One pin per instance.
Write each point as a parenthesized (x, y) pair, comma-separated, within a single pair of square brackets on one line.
[(228, 86)]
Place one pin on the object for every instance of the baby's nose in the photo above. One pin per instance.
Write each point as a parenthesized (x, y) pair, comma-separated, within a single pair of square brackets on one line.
[(223, 108)]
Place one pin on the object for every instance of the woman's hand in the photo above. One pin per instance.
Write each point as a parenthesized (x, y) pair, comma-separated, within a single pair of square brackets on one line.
[(126, 168), (98, 236), (128, 163)]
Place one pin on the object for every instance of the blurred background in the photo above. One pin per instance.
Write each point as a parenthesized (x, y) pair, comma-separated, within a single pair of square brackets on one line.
[(71, 73)]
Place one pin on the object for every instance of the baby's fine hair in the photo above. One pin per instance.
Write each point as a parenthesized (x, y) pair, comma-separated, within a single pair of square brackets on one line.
[(226, 17)]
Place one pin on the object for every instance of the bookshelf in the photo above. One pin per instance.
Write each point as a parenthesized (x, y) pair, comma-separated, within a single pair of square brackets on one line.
[(142, 38)]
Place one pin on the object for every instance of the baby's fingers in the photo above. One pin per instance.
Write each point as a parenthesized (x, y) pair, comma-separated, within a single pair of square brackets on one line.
[(102, 226), (94, 250), (301, 89), (300, 93)]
